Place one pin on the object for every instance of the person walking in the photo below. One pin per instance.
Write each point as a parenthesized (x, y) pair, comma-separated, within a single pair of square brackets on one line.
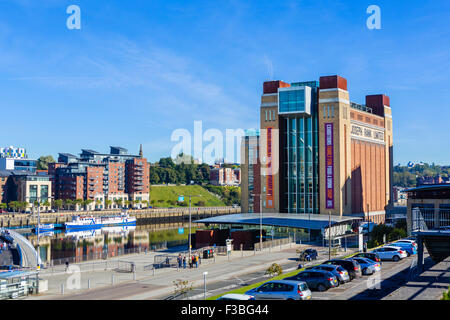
[(184, 262), (196, 261)]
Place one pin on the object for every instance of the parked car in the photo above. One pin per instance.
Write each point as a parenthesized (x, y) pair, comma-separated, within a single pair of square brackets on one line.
[(316, 279), (236, 296), (308, 255), (410, 248), (340, 273), (369, 255), (368, 227), (368, 266), (281, 290), (353, 268), (391, 253), (413, 242)]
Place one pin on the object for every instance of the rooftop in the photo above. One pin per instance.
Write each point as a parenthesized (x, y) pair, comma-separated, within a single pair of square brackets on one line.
[(306, 221)]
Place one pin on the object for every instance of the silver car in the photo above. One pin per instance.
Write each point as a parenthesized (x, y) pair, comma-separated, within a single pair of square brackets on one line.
[(391, 253), (368, 266), (340, 273), (281, 290)]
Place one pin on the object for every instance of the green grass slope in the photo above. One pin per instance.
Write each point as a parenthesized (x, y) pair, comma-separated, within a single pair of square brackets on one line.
[(170, 193)]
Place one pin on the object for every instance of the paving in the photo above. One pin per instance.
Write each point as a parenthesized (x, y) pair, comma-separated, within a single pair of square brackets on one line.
[(429, 285), (108, 282)]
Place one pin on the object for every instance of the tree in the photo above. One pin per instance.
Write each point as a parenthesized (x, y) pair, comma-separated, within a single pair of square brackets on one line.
[(43, 161), (108, 203), (68, 203), (58, 204), (3, 206)]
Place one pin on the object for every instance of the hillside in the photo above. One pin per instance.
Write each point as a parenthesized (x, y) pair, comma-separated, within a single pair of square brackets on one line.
[(167, 196)]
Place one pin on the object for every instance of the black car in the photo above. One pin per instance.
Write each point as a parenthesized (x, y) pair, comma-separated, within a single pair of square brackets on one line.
[(369, 255), (316, 279), (308, 255), (353, 268)]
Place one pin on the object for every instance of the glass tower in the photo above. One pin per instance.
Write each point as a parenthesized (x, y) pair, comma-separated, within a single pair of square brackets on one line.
[(299, 135)]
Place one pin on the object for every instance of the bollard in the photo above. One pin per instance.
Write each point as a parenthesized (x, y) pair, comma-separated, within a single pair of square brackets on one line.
[(134, 275), (112, 279), (89, 283), (153, 271), (62, 288)]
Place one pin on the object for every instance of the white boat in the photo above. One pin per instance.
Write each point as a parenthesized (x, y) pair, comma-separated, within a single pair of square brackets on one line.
[(91, 222)]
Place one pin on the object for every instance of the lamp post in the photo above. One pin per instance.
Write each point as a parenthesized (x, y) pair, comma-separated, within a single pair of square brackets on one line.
[(38, 200), (204, 283), (329, 235), (191, 195), (260, 219)]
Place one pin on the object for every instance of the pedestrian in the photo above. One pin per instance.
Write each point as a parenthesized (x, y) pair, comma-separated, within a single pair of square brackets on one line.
[(184, 262), (67, 265), (179, 260), (193, 260), (190, 263)]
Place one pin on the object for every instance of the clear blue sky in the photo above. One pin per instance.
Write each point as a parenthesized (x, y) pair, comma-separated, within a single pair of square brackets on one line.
[(137, 70)]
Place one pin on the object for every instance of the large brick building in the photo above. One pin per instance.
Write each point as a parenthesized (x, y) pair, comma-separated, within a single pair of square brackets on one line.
[(322, 153), (99, 177)]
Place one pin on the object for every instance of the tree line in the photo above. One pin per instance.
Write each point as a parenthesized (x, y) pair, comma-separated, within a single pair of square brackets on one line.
[(405, 176)]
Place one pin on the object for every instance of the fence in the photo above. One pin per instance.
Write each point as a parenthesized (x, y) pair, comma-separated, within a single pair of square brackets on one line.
[(19, 286), (430, 218), (273, 243)]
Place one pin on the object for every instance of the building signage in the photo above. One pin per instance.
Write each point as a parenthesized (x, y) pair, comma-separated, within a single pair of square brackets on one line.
[(269, 181), (366, 133), (329, 167)]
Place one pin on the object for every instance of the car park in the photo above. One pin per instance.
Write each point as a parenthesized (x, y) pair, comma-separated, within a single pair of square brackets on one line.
[(368, 266), (407, 246), (236, 296), (340, 273), (391, 253), (281, 290), (316, 279), (353, 268), (369, 255)]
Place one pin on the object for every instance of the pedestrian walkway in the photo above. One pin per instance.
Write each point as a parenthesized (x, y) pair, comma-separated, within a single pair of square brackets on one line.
[(146, 283), (427, 286)]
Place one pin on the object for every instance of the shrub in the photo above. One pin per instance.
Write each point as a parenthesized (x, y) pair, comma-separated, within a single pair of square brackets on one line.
[(274, 269)]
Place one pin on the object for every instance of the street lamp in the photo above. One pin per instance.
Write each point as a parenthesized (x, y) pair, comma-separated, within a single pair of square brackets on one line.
[(260, 219), (329, 235), (204, 282), (38, 200), (191, 195)]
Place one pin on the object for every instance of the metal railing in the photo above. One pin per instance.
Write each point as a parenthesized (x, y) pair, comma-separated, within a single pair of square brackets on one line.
[(430, 218)]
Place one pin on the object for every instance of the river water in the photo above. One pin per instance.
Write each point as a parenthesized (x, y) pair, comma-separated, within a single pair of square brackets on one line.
[(59, 247)]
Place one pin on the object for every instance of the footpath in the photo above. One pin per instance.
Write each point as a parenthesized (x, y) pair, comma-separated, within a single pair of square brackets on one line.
[(111, 280)]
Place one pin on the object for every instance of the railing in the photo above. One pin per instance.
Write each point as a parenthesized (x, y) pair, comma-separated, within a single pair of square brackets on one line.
[(273, 243), (429, 219)]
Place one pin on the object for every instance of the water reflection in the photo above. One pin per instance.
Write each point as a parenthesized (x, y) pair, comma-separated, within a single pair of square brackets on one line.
[(59, 246)]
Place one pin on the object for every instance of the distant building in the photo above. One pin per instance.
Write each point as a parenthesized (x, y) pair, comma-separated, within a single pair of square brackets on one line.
[(430, 180), (12, 158), (400, 196), (251, 173), (101, 176), (29, 187), (224, 176)]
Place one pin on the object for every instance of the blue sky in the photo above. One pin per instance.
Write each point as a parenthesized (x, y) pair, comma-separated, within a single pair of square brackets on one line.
[(138, 70)]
